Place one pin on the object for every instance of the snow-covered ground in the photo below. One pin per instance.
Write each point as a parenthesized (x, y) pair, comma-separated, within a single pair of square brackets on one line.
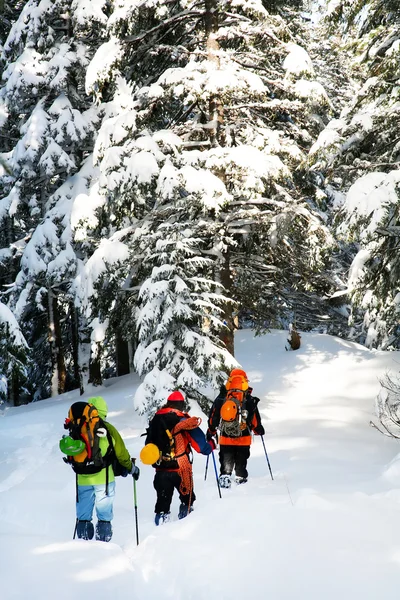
[(327, 527)]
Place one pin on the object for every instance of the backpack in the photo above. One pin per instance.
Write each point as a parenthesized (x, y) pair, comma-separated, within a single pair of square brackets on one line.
[(85, 425), (166, 444), (233, 410), (162, 437)]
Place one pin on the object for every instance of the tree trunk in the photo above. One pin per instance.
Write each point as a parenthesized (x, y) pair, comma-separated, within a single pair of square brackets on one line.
[(14, 388), (217, 136), (122, 351), (59, 373), (95, 377), (78, 379), (227, 336), (216, 107)]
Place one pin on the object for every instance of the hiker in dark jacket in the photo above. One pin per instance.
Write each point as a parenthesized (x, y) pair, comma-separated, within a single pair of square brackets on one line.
[(175, 433), (234, 450)]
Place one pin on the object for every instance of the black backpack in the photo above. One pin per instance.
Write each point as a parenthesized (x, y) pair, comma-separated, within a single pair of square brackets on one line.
[(159, 433)]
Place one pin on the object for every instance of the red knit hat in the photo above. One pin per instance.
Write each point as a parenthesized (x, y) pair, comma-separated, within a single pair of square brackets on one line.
[(176, 397)]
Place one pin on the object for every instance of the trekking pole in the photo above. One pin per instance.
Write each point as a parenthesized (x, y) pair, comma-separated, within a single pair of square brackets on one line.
[(208, 458), (216, 474), (76, 526), (77, 499), (266, 456), (136, 517), (205, 474)]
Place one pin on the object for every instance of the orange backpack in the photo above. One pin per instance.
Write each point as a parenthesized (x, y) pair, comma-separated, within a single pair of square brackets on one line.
[(84, 423), (233, 412)]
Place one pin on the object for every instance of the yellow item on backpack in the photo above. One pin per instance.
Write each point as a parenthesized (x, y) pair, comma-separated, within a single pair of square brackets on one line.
[(150, 454)]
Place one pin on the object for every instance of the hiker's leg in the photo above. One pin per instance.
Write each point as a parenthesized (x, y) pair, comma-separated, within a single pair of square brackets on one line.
[(188, 498), (164, 486), (226, 459), (104, 502), (85, 504), (241, 457)]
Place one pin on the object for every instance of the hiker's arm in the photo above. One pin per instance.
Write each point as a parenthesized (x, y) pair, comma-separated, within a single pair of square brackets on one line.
[(121, 451), (215, 415), (256, 424), (198, 441)]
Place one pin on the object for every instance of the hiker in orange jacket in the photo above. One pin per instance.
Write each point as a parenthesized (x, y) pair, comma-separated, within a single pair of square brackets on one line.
[(175, 433), (236, 418)]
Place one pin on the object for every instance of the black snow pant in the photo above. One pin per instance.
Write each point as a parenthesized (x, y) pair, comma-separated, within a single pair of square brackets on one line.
[(234, 458), (164, 483)]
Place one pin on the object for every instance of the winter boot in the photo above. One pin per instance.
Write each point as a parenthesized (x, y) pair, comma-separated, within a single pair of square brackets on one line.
[(183, 511), (161, 518), (240, 480), (103, 531), (85, 530), (225, 481)]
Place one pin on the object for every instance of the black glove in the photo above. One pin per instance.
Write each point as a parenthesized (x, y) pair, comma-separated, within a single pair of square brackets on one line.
[(135, 471), (209, 435), (259, 430)]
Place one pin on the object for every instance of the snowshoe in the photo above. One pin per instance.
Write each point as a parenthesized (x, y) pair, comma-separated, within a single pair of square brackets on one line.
[(225, 481), (103, 531), (240, 480), (85, 530), (161, 518), (183, 511)]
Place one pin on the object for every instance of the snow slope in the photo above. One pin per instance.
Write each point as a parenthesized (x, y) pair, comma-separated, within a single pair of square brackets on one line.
[(326, 528)]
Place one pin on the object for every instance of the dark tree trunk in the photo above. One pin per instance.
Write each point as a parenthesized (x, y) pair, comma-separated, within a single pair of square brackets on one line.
[(122, 351), (78, 379), (227, 335), (211, 16), (14, 388), (95, 377)]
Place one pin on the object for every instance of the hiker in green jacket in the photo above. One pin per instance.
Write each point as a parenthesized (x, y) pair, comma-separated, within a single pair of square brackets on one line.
[(97, 490)]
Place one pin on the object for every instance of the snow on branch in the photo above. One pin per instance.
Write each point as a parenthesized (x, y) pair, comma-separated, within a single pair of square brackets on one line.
[(388, 406)]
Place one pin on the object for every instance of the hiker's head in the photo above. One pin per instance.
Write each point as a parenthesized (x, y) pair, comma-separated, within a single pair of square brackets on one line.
[(238, 373), (100, 404), (237, 380), (176, 400)]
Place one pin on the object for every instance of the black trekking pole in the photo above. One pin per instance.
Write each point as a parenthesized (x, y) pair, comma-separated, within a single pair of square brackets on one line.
[(216, 474), (266, 456), (76, 527), (136, 517), (205, 474), (208, 458)]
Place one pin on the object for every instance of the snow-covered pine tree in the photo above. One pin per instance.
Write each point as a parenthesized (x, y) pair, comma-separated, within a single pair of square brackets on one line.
[(219, 115), (359, 154), (49, 122), (14, 359), (179, 312)]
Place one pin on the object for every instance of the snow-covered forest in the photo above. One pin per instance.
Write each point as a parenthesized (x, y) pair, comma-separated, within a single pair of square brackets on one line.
[(173, 170)]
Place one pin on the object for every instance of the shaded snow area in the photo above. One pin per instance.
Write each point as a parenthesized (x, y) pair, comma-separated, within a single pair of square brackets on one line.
[(327, 527)]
